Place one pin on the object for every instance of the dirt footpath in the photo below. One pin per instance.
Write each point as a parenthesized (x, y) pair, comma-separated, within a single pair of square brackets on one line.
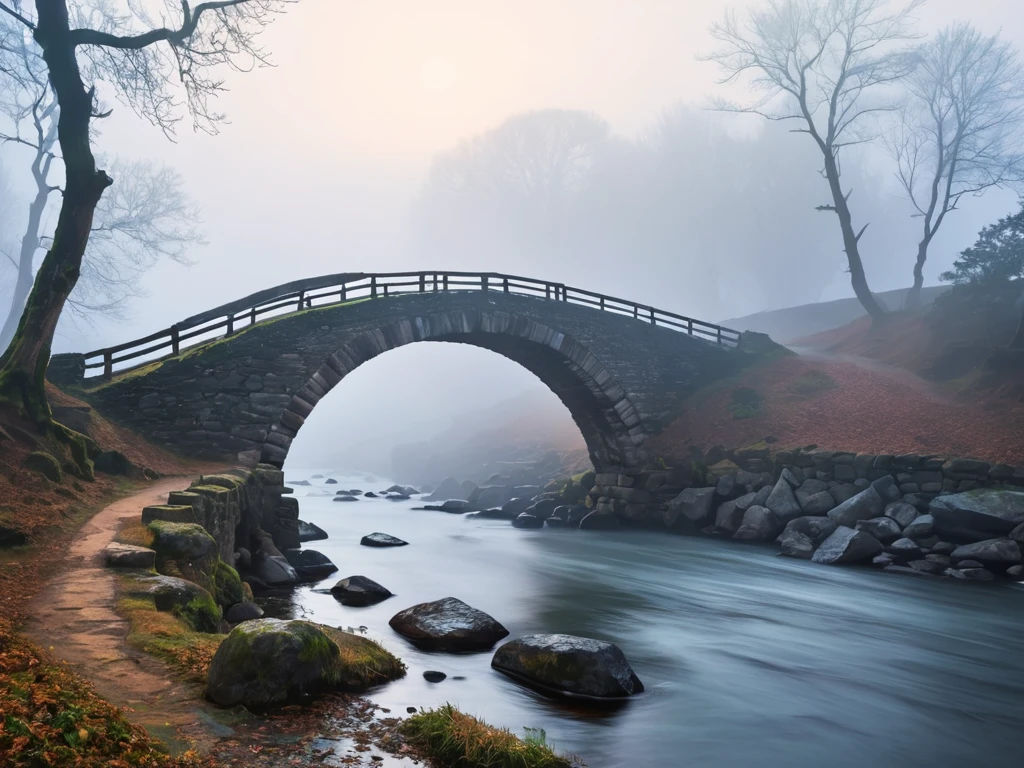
[(74, 617)]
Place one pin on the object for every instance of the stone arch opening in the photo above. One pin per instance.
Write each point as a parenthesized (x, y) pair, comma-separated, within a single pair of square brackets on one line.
[(605, 415)]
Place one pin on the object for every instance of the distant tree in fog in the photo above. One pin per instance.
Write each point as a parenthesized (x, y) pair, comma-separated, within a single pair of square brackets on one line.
[(826, 65), (995, 260), (960, 132)]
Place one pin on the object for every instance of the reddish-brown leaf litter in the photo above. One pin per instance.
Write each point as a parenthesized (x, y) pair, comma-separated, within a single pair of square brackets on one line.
[(866, 407)]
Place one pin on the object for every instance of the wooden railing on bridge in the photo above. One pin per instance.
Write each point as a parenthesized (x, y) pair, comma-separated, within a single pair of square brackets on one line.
[(328, 290)]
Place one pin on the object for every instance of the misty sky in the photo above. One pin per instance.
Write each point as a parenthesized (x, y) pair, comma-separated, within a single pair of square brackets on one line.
[(325, 155)]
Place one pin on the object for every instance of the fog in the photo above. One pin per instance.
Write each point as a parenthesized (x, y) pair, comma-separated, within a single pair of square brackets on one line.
[(341, 158)]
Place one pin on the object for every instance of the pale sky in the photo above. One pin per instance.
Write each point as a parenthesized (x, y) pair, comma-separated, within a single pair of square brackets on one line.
[(324, 152)]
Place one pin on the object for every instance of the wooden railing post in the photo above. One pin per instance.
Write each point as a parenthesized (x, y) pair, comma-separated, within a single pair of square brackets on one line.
[(231, 325), (423, 282), (373, 287), (547, 290), (435, 282), (302, 299), (689, 327), (636, 312), (108, 364), (602, 303), (344, 291), (444, 283), (252, 315), (565, 294), (483, 282), (652, 316), (719, 334), (504, 284), (175, 340)]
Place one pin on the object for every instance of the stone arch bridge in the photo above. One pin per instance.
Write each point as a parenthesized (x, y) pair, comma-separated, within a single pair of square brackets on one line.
[(238, 382)]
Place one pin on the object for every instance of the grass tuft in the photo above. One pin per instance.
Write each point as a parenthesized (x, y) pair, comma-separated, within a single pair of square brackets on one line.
[(812, 383), (457, 740)]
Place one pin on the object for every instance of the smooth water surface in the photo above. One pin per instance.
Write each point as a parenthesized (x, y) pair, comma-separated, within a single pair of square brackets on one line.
[(748, 658)]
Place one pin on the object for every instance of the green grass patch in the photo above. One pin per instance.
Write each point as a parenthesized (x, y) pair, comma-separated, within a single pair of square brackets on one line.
[(166, 635), (453, 739), (745, 403), (362, 663), (812, 383)]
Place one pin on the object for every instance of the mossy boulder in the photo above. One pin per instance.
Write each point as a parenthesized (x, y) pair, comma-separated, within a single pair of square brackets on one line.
[(270, 661), (586, 479), (182, 541), (188, 551), (45, 464), (569, 666), (227, 586), (190, 602)]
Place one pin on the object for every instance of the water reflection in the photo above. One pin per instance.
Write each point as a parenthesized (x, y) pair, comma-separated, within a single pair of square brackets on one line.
[(748, 658)]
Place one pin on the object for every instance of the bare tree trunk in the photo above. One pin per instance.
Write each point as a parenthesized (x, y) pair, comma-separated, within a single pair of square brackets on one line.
[(29, 246), (913, 299), (850, 241), (23, 365)]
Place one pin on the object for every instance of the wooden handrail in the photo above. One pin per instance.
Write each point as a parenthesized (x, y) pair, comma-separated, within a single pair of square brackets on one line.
[(343, 287)]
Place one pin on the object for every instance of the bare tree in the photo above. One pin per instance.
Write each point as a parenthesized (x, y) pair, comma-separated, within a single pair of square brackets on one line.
[(145, 217), (961, 130), (827, 65), (148, 64)]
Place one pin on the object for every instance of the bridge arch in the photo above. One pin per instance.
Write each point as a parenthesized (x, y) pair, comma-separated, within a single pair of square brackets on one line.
[(604, 413)]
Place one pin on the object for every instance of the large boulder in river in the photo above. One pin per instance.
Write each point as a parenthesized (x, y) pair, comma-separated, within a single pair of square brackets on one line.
[(448, 625), (490, 496), (275, 571), (998, 554), (978, 515), (796, 544), (847, 545), (864, 506), (309, 564), (526, 520), (512, 508), (269, 661), (381, 540), (359, 591), (568, 666), (310, 532), (543, 509)]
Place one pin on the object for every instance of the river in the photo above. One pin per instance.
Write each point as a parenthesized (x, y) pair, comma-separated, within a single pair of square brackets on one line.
[(748, 658)]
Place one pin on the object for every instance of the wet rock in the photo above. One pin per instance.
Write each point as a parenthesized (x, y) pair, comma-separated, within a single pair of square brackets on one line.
[(576, 514), (556, 522), (927, 566), (902, 513), (310, 532), (369, 495), (527, 520), (904, 549), (908, 571), (979, 514), (921, 527), (359, 591), (842, 492), (796, 544), (692, 506), (970, 574), (969, 564), (186, 599), (396, 496), (882, 559), (269, 661), (243, 558), (782, 501), (381, 540), (817, 504), (345, 497), (759, 524), (448, 625), (885, 529), (542, 509), (117, 555), (433, 676), (515, 507), (1016, 572), (997, 554), (568, 665), (599, 521), (847, 545), (887, 489), (454, 506), (309, 564), (816, 528), (449, 488), (864, 506), (275, 570), (330, 481), (729, 516), (943, 548), (240, 612)]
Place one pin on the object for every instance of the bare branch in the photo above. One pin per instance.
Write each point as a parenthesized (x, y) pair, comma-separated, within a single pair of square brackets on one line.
[(14, 14)]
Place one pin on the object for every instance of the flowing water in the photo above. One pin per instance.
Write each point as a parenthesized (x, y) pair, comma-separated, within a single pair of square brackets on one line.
[(748, 658)]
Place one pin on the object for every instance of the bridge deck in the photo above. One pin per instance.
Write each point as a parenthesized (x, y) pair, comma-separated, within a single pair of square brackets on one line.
[(329, 290)]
